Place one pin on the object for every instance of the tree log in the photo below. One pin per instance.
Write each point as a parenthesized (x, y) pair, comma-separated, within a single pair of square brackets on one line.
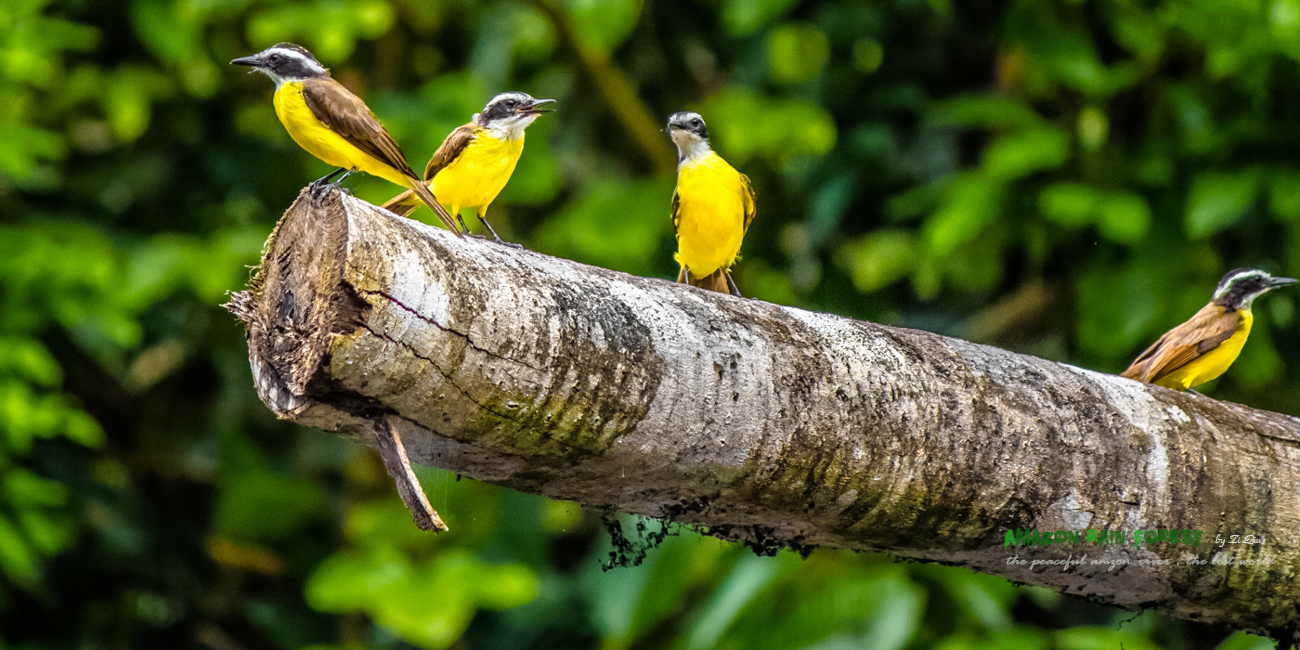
[(768, 424)]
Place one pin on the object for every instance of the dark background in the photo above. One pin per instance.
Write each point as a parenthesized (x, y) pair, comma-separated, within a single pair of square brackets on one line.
[(1064, 178)]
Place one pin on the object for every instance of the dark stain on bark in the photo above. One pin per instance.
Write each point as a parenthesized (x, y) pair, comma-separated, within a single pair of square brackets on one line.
[(600, 389)]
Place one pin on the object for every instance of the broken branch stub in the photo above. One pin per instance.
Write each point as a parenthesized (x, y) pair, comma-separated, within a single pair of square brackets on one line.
[(770, 425)]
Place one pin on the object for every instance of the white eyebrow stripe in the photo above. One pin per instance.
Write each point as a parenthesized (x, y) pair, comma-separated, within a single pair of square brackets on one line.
[(295, 54), (1227, 284), (508, 95)]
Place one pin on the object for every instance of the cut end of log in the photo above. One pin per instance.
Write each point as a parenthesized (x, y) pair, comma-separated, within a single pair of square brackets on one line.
[(297, 300)]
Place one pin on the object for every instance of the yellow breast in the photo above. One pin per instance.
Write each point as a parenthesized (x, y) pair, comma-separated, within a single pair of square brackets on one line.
[(710, 215), (320, 141), (1213, 363), (479, 173)]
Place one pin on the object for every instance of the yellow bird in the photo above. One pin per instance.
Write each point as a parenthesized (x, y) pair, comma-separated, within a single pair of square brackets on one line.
[(1202, 348), (474, 163), (713, 206), (332, 124)]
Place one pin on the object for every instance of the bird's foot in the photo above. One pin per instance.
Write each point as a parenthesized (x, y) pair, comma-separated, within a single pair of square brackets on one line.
[(344, 177), (321, 187), (329, 178), (318, 190), (491, 230)]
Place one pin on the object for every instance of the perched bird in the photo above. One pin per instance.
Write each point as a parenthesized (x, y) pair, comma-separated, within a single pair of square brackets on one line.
[(331, 123), (1202, 348), (712, 207), (474, 163)]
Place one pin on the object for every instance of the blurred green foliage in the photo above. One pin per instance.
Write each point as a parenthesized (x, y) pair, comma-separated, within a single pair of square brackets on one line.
[(1063, 177)]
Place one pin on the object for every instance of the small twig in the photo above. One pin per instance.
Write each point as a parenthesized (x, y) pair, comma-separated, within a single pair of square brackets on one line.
[(408, 486)]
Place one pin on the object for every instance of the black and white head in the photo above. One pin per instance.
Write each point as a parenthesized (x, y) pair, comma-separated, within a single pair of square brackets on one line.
[(1240, 287), (285, 62), (508, 114), (689, 133)]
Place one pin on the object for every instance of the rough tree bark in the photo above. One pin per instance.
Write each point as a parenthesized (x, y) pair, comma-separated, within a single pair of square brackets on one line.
[(769, 424)]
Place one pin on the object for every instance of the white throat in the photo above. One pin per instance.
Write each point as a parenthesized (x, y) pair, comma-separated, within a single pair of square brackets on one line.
[(690, 147), (279, 81), (511, 128)]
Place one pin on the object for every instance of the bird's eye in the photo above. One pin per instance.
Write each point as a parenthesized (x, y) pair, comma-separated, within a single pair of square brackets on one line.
[(697, 122), (274, 58)]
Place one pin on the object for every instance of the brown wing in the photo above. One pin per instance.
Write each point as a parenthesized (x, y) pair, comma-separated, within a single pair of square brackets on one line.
[(348, 116), (1205, 331), (676, 214), (450, 150), (749, 201), (405, 203)]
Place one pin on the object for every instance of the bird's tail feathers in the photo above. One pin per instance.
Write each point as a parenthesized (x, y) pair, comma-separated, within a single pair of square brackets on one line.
[(403, 204), (715, 281), (426, 195)]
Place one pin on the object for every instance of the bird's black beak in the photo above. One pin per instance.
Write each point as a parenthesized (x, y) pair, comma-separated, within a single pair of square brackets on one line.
[(532, 108), (254, 60), (1280, 282)]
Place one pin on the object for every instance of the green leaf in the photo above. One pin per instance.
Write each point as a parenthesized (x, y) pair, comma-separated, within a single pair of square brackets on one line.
[(883, 601), (1121, 216), (17, 559), (986, 598), (976, 266), (329, 28), (48, 533), (896, 621), (1125, 217), (22, 488), (405, 609), (536, 179), (990, 111), (174, 38), (745, 124), (347, 582), (616, 225), (797, 52), (1013, 156), (1070, 204), (1284, 193), (80, 427), (460, 584), (29, 360), (1259, 363), (386, 522), (1101, 638), (247, 501), (1219, 200), (749, 577), (1118, 307), (620, 598), (604, 24), (503, 586), (879, 259), (744, 17), (1244, 641), (971, 203)]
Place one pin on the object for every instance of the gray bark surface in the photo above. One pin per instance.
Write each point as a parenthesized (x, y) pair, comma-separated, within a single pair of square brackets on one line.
[(770, 425)]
